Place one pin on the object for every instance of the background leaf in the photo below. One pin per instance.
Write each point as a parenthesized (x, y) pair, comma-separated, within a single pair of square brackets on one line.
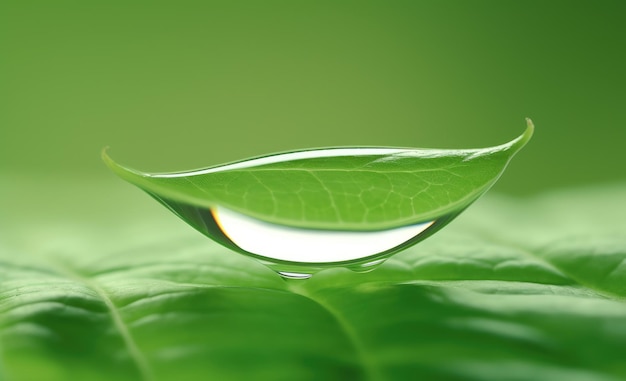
[(512, 290)]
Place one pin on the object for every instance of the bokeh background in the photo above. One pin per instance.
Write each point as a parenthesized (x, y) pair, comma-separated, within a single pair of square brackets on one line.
[(175, 85), (187, 84)]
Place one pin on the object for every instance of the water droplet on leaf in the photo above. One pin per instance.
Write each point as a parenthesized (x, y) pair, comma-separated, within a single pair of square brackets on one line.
[(301, 212)]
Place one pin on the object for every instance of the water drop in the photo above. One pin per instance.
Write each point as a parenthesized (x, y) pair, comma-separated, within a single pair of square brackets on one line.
[(295, 252), (300, 245), (301, 212), (289, 275)]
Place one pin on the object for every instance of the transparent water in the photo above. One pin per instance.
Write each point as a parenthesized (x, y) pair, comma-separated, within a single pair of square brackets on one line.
[(296, 252), (299, 252), (291, 244)]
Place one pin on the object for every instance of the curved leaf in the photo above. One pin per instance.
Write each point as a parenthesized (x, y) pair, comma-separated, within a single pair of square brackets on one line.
[(338, 188)]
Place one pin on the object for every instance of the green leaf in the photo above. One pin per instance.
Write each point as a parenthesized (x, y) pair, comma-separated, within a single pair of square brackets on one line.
[(527, 289), (339, 189)]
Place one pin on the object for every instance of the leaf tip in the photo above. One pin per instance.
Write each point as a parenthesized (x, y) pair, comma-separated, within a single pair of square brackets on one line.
[(521, 141), (107, 159), (530, 129)]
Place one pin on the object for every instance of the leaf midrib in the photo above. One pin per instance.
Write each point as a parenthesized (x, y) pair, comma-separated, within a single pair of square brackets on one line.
[(131, 346), (365, 360)]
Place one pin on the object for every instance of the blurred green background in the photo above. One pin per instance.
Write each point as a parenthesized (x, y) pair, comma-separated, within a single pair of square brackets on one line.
[(181, 85)]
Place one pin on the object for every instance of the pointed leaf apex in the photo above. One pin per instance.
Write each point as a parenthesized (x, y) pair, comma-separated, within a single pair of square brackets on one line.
[(518, 143)]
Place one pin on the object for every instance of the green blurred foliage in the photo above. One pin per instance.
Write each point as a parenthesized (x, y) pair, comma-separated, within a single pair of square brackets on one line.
[(179, 85)]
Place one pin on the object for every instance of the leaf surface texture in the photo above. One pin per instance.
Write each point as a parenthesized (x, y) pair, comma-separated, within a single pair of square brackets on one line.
[(96, 288)]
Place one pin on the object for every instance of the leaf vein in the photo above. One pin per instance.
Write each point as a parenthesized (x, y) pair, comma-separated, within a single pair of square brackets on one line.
[(131, 346), (366, 360)]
